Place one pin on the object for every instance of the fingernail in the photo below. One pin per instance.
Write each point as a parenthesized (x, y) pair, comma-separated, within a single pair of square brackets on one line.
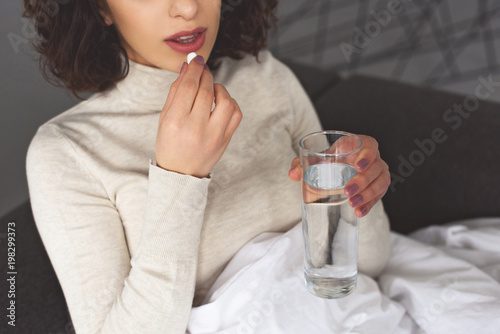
[(199, 59), (351, 189), (356, 200), (362, 164), (207, 68), (363, 211), (182, 68)]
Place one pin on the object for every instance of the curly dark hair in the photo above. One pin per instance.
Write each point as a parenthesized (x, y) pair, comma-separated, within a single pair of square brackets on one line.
[(78, 51)]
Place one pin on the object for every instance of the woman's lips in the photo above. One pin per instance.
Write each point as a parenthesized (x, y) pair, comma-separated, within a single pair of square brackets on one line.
[(187, 41)]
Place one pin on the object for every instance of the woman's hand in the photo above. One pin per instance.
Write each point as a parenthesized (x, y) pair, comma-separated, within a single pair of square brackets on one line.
[(191, 139), (371, 183)]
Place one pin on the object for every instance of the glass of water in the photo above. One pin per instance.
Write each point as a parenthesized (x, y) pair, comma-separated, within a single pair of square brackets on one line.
[(330, 227)]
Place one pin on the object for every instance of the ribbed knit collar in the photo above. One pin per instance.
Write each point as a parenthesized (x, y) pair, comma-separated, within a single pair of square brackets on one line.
[(146, 86)]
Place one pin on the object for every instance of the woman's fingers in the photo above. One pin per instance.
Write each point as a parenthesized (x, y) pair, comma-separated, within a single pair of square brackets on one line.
[(191, 139), (204, 97), (367, 154), (232, 125), (371, 183), (295, 172), (173, 89), (187, 89), (365, 178), (225, 107), (364, 200), (361, 211), (234, 122)]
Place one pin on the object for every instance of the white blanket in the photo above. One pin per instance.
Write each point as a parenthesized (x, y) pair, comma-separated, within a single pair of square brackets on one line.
[(441, 279)]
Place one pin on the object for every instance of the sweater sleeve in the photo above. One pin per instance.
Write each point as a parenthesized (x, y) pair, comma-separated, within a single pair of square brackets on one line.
[(374, 228), (305, 118), (106, 291)]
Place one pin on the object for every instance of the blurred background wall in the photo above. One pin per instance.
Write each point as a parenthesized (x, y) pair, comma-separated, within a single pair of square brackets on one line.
[(444, 44), (26, 102)]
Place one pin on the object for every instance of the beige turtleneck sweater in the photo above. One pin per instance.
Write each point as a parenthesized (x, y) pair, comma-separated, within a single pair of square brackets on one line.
[(135, 246)]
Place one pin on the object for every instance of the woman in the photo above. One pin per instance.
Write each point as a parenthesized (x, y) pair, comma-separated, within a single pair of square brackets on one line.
[(142, 193)]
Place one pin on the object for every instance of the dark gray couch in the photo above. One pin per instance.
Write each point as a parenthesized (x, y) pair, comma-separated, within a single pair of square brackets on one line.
[(438, 175)]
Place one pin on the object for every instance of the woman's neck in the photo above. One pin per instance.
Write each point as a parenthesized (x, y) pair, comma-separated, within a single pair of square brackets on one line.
[(146, 86)]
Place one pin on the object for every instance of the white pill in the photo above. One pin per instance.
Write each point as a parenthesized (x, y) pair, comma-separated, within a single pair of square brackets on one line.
[(191, 56)]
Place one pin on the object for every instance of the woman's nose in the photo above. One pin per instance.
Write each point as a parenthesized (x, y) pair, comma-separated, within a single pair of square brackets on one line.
[(186, 9)]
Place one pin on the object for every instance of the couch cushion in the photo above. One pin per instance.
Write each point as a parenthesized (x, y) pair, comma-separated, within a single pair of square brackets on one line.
[(40, 303), (314, 80), (444, 164)]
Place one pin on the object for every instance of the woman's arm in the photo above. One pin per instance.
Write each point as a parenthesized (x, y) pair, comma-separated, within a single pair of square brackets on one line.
[(107, 291), (374, 227)]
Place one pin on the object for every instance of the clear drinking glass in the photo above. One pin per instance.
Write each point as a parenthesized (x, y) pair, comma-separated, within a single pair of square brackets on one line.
[(330, 227)]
